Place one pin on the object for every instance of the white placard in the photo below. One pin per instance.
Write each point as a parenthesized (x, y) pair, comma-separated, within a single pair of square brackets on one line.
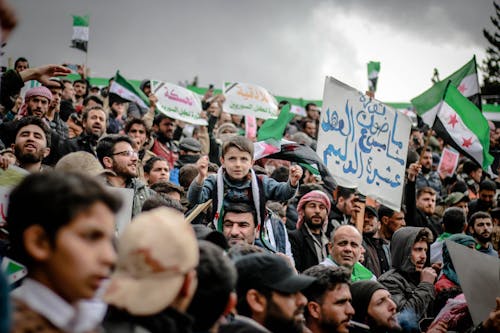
[(177, 102), (363, 143), (249, 100)]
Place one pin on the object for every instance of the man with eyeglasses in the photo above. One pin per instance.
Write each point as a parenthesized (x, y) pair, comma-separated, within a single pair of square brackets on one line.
[(116, 153)]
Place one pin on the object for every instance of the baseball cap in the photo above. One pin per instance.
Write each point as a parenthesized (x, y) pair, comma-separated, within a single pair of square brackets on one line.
[(455, 197), (371, 210), (155, 251), (190, 144), (265, 270)]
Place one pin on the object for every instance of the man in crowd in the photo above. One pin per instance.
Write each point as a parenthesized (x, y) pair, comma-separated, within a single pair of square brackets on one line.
[(94, 127), (52, 115), (155, 277), (239, 224), (189, 153), (269, 295), (72, 242), (345, 250), (459, 200), (427, 177), (374, 307), (164, 144), (81, 91), (329, 306), (481, 228), (115, 153), (484, 202), (343, 209), (420, 209), (453, 222), (376, 237), (410, 282), (32, 144), (21, 64), (308, 241)]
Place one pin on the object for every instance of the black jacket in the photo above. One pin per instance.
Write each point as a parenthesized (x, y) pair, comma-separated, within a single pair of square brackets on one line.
[(303, 250), (414, 217)]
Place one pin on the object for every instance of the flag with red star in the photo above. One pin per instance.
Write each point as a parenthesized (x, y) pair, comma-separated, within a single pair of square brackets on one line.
[(462, 125), (465, 79)]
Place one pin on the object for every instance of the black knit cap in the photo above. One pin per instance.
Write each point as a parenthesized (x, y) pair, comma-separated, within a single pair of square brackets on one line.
[(361, 293)]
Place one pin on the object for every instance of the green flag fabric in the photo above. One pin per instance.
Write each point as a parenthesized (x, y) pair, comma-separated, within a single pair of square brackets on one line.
[(427, 104), (123, 88), (274, 128), (80, 32), (373, 70), (462, 125)]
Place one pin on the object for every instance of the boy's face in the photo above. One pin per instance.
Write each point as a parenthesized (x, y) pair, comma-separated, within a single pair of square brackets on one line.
[(237, 163), (82, 254)]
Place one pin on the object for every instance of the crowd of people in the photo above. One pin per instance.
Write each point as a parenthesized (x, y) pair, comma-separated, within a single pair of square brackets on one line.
[(216, 240)]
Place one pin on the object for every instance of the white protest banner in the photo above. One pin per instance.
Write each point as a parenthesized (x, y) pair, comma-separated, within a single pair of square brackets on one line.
[(363, 143), (448, 162), (249, 100), (177, 102)]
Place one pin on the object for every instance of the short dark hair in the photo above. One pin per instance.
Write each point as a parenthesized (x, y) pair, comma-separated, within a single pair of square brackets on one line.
[(240, 208), (426, 189), (424, 235), (139, 121), (86, 111), (20, 59), (216, 280), (94, 98), (476, 216), (239, 142), (107, 144), (164, 187), (157, 120), (385, 211), (308, 105), (280, 174), (186, 175), (33, 120), (454, 220), (53, 199), (487, 185), (159, 200), (470, 166), (344, 192), (327, 279), (149, 163)]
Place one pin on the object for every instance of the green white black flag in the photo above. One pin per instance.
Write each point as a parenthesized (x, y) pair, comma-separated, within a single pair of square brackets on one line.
[(373, 70), (80, 32)]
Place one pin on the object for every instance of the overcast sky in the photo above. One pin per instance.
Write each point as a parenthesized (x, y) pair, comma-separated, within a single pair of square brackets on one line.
[(287, 47)]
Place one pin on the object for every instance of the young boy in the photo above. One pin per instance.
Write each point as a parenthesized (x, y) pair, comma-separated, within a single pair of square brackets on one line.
[(236, 181), (61, 228)]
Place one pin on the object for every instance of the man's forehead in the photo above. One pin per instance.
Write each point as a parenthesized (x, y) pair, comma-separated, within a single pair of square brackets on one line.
[(38, 97), (31, 129), (239, 217)]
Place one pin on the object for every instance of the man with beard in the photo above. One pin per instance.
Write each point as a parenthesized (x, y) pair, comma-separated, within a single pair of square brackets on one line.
[(329, 306), (344, 208), (140, 133), (52, 115), (484, 202), (239, 224), (81, 91), (116, 154), (94, 127), (308, 241), (481, 228), (377, 235), (410, 282), (345, 250), (269, 296), (31, 145), (164, 144), (428, 178), (374, 307), (420, 208)]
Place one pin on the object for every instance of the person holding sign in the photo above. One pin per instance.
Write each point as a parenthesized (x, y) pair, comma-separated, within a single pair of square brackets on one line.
[(236, 181)]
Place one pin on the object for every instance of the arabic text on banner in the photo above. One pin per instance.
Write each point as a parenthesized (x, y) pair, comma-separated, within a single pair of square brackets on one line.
[(249, 99), (177, 102), (363, 143)]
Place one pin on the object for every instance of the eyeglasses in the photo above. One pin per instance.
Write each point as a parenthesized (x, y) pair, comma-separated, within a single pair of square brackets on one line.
[(127, 153)]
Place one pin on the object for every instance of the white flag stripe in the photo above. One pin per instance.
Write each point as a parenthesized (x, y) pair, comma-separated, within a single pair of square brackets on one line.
[(81, 33), (126, 94), (459, 132), (470, 84)]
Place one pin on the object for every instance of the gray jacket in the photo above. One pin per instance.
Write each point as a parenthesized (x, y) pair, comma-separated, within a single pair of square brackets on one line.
[(402, 281)]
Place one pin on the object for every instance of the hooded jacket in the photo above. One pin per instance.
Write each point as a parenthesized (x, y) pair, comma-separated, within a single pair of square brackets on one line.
[(402, 280)]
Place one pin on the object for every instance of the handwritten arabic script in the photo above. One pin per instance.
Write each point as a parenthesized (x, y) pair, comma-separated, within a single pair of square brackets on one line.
[(363, 143), (249, 99)]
